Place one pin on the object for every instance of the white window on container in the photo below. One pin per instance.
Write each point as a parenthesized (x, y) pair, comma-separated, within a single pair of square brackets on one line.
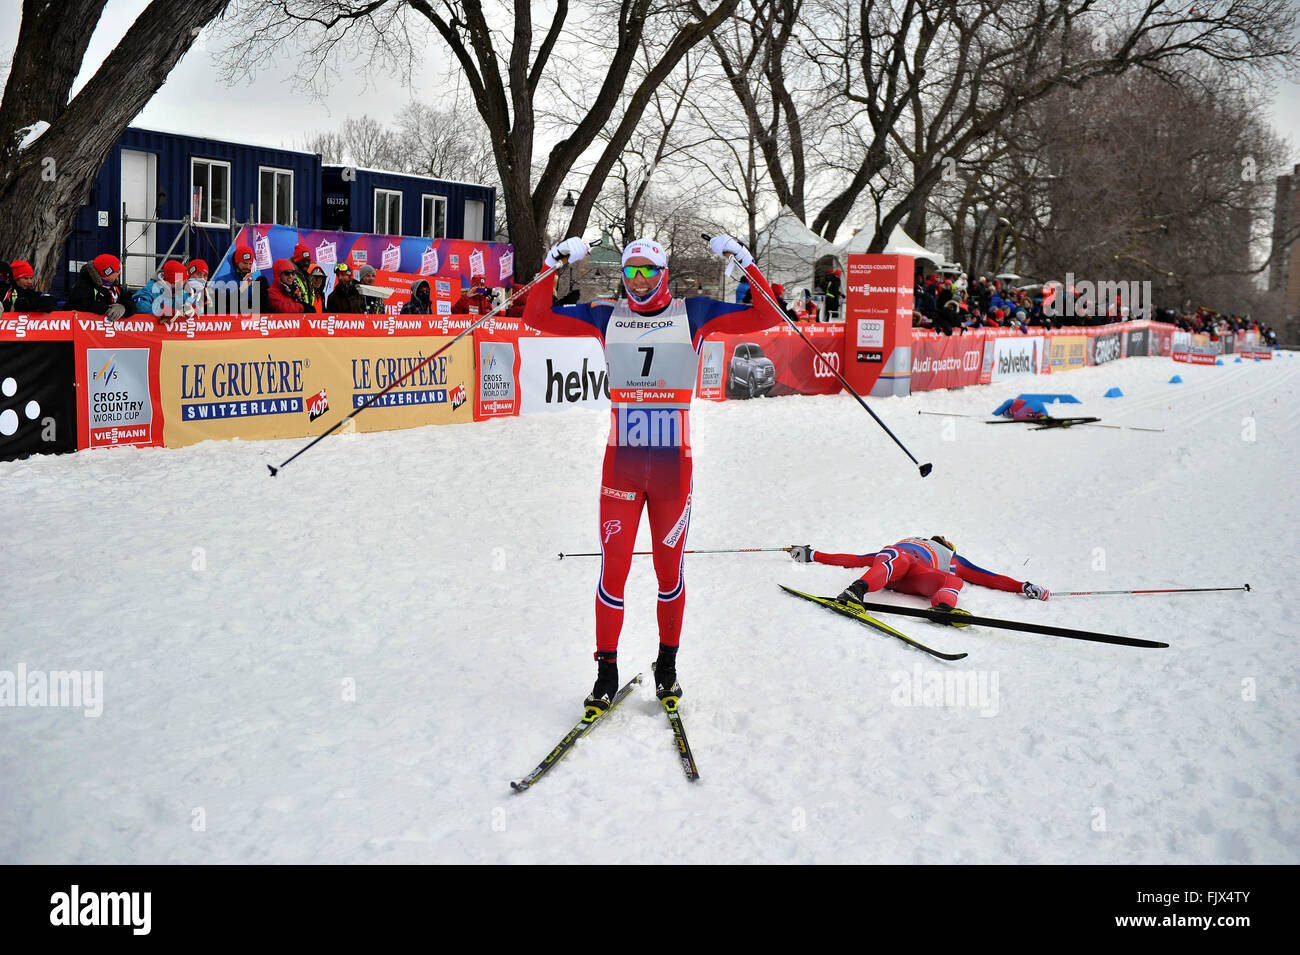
[(433, 217), (210, 191), (275, 196), (474, 220), (388, 212)]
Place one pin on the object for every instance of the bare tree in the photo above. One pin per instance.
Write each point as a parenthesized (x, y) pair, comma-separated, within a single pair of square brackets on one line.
[(504, 85), (45, 176), (930, 80)]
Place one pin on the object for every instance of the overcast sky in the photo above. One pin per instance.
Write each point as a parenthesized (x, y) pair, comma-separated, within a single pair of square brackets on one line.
[(270, 112)]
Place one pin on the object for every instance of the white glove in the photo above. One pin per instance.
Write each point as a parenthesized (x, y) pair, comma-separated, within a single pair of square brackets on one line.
[(115, 311), (1035, 592), (725, 244), (573, 247), (802, 553)]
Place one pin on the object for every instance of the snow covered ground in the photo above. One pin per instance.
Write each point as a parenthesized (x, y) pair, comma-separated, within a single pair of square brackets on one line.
[(350, 662)]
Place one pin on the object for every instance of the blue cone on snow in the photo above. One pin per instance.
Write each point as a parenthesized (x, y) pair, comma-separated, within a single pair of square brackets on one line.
[(1114, 393), (1236, 361), (1218, 361), (1256, 359), (1176, 380)]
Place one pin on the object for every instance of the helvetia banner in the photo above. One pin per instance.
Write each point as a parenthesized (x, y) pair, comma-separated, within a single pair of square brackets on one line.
[(295, 387), (38, 403)]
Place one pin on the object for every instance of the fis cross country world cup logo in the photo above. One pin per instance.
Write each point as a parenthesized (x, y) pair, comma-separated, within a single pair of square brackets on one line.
[(317, 405)]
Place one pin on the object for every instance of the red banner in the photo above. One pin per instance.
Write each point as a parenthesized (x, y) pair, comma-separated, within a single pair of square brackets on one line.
[(772, 362), (941, 361)]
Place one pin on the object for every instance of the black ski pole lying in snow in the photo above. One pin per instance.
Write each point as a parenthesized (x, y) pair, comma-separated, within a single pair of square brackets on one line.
[(923, 468), (515, 293)]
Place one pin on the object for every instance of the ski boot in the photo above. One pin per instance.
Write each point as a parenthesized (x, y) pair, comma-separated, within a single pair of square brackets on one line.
[(667, 689), (954, 613), (854, 595), (602, 694)]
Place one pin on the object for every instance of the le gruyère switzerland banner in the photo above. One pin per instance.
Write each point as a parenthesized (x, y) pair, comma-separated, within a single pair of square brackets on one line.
[(296, 387)]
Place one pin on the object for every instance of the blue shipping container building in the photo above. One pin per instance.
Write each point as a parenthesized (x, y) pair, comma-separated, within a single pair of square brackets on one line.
[(159, 176), (389, 203)]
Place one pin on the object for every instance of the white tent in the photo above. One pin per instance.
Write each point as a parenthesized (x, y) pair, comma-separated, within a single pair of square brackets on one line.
[(900, 243), (787, 251)]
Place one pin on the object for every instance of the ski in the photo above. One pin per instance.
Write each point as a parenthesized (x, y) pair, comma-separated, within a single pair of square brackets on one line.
[(830, 603), (940, 616), (679, 738), (1047, 422), (590, 719)]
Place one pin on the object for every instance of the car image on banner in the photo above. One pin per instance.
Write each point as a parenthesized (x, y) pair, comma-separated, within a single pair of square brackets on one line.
[(750, 373)]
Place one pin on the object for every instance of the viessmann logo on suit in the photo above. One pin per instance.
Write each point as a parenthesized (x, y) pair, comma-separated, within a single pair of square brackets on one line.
[(118, 403)]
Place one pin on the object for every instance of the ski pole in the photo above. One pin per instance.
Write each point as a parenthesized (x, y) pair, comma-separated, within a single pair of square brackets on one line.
[(923, 468), (738, 550), (515, 293), (1177, 590)]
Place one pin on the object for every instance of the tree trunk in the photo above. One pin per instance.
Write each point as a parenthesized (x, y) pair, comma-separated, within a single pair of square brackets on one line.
[(42, 186)]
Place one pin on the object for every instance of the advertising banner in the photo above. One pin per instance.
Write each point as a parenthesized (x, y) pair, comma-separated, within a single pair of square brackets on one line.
[(38, 398), (942, 361), (454, 260), (560, 373), (1105, 347), (712, 368), (498, 369), (1137, 342), (1013, 357), (295, 387), (1249, 352), (878, 324), (777, 362), (1069, 352)]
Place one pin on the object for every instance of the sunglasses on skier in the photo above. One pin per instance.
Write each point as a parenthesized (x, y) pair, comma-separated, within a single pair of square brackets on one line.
[(640, 271)]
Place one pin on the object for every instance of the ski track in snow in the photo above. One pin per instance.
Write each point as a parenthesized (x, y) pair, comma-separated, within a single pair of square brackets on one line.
[(227, 609)]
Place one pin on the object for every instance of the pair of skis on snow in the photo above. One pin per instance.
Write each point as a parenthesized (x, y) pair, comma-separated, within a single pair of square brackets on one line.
[(590, 720), (958, 618)]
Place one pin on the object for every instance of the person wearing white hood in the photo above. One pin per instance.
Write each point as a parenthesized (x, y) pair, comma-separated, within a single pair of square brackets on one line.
[(652, 343)]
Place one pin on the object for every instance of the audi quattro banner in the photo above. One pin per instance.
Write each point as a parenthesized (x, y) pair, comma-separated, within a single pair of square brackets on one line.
[(772, 362), (941, 361)]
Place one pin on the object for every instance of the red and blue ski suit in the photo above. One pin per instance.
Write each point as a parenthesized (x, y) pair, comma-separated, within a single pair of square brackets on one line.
[(922, 567), (652, 363)]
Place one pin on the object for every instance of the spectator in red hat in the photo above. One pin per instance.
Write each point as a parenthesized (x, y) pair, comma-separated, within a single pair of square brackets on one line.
[(243, 263), (98, 289), (476, 300), (302, 265), (197, 285), (167, 297), (285, 295), (21, 294), (778, 292)]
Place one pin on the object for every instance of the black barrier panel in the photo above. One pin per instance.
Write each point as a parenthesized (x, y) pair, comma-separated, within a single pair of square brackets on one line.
[(38, 398), (1138, 343), (1229, 343), (1105, 348)]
